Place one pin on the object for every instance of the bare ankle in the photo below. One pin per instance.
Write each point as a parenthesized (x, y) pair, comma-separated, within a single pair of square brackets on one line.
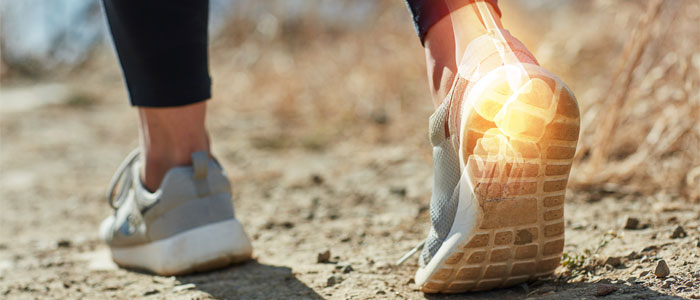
[(169, 136), (156, 164), (446, 42)]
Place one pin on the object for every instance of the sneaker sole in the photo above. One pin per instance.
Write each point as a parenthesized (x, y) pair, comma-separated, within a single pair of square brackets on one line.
[(200, 249), (516, 234)]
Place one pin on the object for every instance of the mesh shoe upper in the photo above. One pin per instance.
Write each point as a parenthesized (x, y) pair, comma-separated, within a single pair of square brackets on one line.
[(481, 57), (188, 197), (443, 203)]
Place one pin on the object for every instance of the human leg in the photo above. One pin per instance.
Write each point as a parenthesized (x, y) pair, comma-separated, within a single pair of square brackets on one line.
[(162, 48), (172, 200), (504, 134)]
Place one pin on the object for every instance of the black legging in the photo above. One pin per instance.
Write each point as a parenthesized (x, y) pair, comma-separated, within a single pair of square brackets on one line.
[(162, 46)]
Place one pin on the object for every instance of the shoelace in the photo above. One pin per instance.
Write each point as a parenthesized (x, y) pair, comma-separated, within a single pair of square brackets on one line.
[(122, 178), (410, 253)]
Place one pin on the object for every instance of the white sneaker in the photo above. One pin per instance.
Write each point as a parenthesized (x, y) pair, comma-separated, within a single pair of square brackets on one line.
[(497, 205), (187, 225)]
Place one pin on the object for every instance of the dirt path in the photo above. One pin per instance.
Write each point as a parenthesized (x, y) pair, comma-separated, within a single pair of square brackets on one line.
[(340, 164)]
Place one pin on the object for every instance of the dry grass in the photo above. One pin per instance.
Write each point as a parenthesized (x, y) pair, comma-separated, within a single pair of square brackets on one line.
[(635, 67), (642, 135), (304, 81)]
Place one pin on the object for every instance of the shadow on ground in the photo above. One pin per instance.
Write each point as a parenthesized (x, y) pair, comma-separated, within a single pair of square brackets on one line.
[(251, 280), (552, 290)]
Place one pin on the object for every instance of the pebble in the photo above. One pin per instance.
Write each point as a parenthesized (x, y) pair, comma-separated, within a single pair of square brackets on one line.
[(662, 269), (667, 284), (604, 290), (332, 280), (63, 244), (382, 265), (151, 292), (380, 117), (631, 223), (679, 232), (287, 224), (317, 179), (184, 287), (399, 191), (422, 209), (613, 261), (323, 257), (347, 269)]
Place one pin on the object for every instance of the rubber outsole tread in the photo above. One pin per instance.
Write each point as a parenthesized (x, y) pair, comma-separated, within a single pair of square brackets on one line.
[(520, 233)]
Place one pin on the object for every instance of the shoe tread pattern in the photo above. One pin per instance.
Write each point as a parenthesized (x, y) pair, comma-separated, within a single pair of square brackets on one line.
[(521, 227)]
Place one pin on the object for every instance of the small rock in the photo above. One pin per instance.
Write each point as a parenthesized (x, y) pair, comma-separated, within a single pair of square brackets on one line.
[(411, 280), (422, 209), (631, 223), (317, 179), (650, 248), (644, 273), (287, 224), (604, 290), (662, 269), (679, 232), (613, 261), (63, 244), (309, 215), (347, 269), (323, 257), (381, 292), (184, 287), (399, 191), (269, 225), (151, 292), (382, 265), (380, 117), (332, 280), (633, 255)]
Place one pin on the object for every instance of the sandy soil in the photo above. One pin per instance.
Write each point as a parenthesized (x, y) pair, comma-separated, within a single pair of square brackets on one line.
[(322, 156)]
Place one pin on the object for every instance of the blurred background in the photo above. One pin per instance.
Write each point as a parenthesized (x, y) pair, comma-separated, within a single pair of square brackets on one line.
[(335, 88), (334, 68)]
